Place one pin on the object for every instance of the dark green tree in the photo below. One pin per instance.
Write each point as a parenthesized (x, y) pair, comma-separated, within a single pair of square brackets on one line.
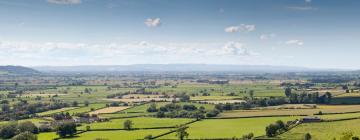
[(181, 132), (307, 136), (128, 124), (66, 129)]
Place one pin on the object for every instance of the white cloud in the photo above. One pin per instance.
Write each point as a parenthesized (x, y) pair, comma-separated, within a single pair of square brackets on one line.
[(152, 22), (294, 42), (308, 1), (64, 1), (240, 28), (302, 8), (267, 36), (235, 48), (143, 48)]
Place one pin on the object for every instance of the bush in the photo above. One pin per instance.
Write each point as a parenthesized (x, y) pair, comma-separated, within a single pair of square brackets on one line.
[(65, 129), (25, 136), (212, 113)]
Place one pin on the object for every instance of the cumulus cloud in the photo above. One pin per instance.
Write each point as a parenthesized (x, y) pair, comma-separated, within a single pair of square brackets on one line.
[(267, 36), (240, 28), (294, 42), (152, 22), (64, 1), (235, 48)]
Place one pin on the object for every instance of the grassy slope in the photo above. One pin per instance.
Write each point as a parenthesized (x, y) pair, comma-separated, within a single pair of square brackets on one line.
[(138, 123), (228, 128), (324, 130)]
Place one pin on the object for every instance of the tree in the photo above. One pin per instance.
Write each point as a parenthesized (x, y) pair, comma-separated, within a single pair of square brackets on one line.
[(281, 125), (271, 130), (251, 94), (65, 129), (25, 136), (128, 124), (328, 97), (184, 98), (181, 132), (248, 136), (27, 126), (8, 130), (307, 136), (287, 91), (5, 108), (75, 104), (86, 103), (152, 108), (355, 138)]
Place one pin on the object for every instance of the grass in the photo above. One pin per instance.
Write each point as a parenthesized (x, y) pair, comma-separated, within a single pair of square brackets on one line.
[(34, 120), (107, 135), (228, 128), (323, 130), (55, 111), (86, 108), (142, 122), (339, 116), (115, 115), (271, 112)]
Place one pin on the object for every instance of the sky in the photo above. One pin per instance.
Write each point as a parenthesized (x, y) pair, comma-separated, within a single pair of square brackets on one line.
[(306, 33)]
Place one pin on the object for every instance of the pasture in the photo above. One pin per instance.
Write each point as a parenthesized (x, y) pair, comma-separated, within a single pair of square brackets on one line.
[(140, 122), (323, 130), (229, 128)]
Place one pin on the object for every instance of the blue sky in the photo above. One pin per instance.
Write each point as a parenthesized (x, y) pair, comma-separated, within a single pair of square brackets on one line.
[(310, 33)]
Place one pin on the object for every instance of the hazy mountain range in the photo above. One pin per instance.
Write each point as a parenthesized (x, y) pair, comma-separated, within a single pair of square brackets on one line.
[(176, 67)]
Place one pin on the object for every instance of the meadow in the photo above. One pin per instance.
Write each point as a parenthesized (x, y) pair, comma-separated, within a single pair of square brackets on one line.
[(323, 130), (140, 122), (229, 128)]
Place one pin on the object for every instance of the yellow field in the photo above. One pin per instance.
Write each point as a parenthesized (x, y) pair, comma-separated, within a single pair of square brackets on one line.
[(109, 110)]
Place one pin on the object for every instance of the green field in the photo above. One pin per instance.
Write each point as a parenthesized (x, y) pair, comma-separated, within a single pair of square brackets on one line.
[(86, 108), (323, 130), (56, 111), (108, 135), (143, 122), (228, 128)]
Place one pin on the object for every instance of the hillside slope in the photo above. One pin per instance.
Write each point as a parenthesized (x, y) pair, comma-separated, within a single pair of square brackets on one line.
[(18, 70)]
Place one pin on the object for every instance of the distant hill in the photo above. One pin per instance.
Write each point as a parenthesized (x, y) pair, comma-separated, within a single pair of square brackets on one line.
[(174, 68), (18, 70)]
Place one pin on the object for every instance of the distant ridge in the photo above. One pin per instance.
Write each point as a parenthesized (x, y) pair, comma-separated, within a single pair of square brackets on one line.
[(175, 68), (17, 70)]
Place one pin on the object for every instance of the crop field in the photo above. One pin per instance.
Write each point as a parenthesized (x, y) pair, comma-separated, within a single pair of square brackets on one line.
[(323, 130), (86, 108), (229, 128), (108, 110)]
